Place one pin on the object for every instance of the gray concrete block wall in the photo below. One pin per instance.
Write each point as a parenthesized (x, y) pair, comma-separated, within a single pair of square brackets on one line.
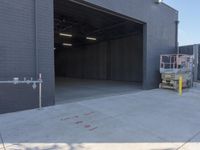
[(17, 41), (18, 52), (45, 48)]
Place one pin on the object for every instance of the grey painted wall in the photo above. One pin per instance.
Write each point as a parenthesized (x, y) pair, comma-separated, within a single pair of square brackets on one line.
[(119, 59), (26, 44), (26, 31)]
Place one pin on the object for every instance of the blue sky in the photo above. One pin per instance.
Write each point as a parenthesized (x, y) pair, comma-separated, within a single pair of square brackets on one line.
[(189, 17)]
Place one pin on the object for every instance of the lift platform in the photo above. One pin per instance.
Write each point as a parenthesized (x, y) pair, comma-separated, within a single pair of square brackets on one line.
[(172, 67)]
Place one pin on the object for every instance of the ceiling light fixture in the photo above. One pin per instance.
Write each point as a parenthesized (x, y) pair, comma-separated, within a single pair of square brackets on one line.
[(65, 34), (91, 38), (67, 44)]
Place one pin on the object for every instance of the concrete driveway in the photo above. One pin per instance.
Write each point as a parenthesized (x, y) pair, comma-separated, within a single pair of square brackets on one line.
[(147, 120)]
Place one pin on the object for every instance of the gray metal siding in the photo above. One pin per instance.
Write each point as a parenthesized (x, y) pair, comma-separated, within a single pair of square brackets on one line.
[(119, 60), (94, 61), (126, 59), (186, 49)]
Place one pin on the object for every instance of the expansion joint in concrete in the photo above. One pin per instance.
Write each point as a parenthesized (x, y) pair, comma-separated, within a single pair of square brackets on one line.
[(1, 137), (189, 140)]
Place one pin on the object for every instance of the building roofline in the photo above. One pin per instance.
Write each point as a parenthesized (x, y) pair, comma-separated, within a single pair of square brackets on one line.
[(189, 45), (166, 5)]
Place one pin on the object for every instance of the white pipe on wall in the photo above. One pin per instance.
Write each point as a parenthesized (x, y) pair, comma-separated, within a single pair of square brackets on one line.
[(16, 81)]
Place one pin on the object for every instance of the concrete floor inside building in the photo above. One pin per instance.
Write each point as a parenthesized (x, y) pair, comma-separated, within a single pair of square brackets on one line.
[(147, 120), (70, 90)]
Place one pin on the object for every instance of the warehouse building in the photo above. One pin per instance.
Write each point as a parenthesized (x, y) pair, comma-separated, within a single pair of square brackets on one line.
[(82, 48), (195, 51)]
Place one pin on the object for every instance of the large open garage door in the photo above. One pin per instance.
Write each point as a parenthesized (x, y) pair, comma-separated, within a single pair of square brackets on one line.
[(96, 53)]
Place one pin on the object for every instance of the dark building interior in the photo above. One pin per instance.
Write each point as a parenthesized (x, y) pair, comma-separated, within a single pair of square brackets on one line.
[(95, 52)]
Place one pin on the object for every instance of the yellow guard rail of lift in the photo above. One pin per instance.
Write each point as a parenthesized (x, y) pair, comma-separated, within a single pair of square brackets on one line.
[(180, 85)]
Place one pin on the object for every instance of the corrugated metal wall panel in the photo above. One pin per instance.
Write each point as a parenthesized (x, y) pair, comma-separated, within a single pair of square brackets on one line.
[(188, 49), (115, 60), (127, 59)]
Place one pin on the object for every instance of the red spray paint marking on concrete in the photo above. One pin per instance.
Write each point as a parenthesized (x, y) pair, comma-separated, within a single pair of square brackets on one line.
[(76, 117), (78, 122), (65, 118), (93, 129), (87, 126), (90, 113)]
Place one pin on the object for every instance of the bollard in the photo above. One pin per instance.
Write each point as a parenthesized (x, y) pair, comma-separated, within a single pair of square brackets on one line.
[(180, 85)]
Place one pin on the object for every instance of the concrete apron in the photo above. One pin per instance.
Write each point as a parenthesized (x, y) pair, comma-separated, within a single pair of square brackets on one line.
[(155, 119)]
